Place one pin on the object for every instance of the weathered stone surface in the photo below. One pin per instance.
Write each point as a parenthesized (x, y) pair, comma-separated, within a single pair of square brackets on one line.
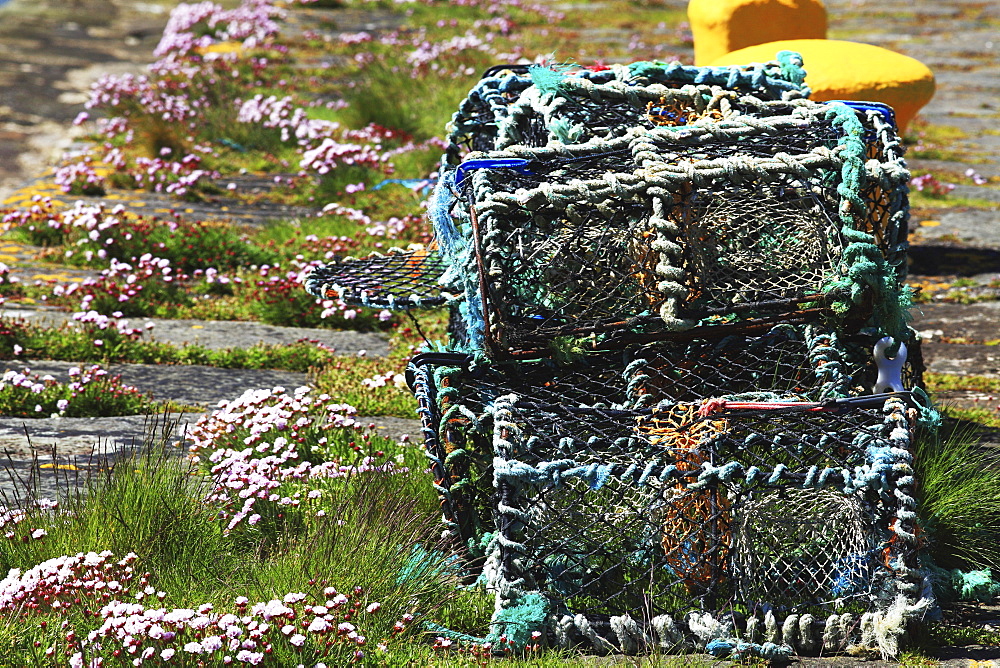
[(51, 457), (86, 437), (222, 334), (188, 385), (976, 228), (44, 43), (954, 338), (962, 360), (975, 322)]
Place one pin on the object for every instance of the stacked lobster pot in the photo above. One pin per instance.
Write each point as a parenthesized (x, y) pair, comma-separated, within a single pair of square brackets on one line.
[(677, 403)]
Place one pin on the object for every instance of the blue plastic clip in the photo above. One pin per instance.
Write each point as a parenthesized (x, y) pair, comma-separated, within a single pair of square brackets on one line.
[(887, 112), (519, 165)]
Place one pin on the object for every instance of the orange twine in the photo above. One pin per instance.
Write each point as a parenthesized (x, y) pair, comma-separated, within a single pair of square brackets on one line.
[(697, 526)]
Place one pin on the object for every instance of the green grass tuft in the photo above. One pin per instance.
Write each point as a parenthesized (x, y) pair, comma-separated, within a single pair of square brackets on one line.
[(960, 502)]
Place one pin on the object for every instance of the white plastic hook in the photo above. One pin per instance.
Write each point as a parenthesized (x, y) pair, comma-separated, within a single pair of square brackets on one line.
[(890, 371)]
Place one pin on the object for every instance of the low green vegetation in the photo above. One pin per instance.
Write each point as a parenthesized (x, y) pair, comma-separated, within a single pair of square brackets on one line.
[(926, 202), (937, 382), (88, 392), (929, 141), (182, 553)]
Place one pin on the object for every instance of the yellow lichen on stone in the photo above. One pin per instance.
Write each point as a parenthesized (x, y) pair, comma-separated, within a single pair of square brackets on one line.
[(721, 26), (44, 187), (840, 70)]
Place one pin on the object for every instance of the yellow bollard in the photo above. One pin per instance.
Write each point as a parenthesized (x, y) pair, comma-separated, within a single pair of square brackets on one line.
[(839, 70), (722, 26)]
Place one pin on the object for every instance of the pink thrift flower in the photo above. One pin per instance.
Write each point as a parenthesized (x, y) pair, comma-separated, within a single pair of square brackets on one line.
[(319, 625)]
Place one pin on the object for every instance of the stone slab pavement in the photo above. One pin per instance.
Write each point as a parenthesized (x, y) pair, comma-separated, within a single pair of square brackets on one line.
[(52, 455), (960, 339), (222, 334)]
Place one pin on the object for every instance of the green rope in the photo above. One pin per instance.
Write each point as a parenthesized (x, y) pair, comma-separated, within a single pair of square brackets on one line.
[(790, 63), (864, 268), (521, 617), (951, 585), (548, 78)]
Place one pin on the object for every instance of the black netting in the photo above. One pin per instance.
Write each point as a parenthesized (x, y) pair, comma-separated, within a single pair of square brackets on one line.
[(776, 362), (397, 280), (711, 146), (581, 116)]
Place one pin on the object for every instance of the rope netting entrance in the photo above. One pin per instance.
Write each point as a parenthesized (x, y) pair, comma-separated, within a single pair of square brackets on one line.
[(797, 545), (654, 422), (758, 243)]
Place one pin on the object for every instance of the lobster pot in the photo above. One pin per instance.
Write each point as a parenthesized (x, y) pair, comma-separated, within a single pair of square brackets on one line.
[(665, 231), (639, 527), (458, 405)]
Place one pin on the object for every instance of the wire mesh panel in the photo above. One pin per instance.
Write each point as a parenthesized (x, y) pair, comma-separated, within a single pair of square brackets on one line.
[(792, 545), (779, 363)]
